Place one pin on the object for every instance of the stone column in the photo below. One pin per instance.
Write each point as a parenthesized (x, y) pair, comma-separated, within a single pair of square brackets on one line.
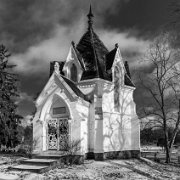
[(37, 133), (91, 129), (98, 136)]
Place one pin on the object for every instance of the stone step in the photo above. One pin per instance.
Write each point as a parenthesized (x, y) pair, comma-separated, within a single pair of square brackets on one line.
[(9, 177), (31, 168), (48, 156), (53, 152), (43, 162)]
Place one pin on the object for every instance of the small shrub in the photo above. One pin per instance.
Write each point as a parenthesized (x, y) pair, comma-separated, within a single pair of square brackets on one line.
[(72, 148), (27, 148)]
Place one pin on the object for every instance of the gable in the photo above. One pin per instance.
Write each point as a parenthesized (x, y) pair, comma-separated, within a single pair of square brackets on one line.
[(72, 58), (48, 89), (73, 66), (61, 82), (123, 67), (71, 87), (118, 61)]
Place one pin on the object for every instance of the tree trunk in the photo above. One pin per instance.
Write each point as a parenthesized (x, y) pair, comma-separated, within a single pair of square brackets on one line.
[(173, 138), (168, 155), (168, 152)]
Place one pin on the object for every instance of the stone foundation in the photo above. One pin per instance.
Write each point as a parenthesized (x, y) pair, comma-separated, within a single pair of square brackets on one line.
[(89, 155), (72, 159), (96, 156), (122, 154), (99, 156), (113, 155)]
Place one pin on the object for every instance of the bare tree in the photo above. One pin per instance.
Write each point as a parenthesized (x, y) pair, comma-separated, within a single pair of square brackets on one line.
[(162, 87)]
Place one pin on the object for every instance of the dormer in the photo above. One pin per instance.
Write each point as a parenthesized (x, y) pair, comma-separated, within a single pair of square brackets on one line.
[(74, 66)]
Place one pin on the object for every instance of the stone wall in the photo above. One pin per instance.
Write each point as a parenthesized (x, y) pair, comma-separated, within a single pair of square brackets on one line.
[(121, 128)]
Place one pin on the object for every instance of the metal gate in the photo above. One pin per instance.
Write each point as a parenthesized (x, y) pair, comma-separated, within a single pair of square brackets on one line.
[(58, 134)]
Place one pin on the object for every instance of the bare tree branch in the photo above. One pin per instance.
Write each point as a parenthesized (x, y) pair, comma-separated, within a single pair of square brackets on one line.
[(162, 88)]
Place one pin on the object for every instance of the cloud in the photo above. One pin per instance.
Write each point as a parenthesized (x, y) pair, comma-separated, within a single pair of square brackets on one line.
[(126, 43), (23, 96), (35, 20), (25, 103), (132, 48), (26, 23), (37, 57), (37, 32), (147, 17)]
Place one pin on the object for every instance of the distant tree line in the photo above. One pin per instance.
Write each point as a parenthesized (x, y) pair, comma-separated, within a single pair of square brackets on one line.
[(150, 136)]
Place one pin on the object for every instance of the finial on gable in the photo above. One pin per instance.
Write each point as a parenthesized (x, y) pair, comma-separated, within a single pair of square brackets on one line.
[(90, 17), (56, 67), (116, 45)]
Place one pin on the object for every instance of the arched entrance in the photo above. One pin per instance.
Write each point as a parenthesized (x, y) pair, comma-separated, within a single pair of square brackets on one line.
[(58, 131)]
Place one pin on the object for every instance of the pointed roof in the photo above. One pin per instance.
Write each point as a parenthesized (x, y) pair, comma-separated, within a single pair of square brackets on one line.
[(96, 58), (93, 52)]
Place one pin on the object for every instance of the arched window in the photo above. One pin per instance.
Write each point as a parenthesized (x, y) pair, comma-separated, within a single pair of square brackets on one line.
[(59, 108), (73, 73)]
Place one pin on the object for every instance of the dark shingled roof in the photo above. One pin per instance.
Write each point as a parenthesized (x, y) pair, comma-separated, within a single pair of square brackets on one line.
[(127, 81), (93, 52), (126, 65), (76, 90), (127, 76), (110, 58)]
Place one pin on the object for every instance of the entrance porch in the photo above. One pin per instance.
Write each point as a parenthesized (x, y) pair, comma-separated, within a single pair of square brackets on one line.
[(57, 134)]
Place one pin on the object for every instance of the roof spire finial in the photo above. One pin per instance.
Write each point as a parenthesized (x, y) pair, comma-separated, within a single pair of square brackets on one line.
[(90, 17)]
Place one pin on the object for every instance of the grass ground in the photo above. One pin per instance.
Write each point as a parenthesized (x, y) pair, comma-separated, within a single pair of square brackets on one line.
[(106, 170), (117, 169), (161, 154)]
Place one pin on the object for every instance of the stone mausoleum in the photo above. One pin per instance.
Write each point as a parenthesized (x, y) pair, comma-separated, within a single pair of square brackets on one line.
[(88, 98)]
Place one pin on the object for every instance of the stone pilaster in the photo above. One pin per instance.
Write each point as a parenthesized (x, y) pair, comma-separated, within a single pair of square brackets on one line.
[(98, 144)]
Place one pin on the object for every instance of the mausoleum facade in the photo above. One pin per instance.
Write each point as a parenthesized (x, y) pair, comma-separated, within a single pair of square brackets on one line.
[(88, 98)]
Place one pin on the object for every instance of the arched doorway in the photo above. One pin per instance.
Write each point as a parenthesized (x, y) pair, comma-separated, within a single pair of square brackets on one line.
[(58, 131)]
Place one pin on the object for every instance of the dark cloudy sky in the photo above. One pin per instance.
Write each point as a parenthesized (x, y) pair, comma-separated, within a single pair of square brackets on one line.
[(39, 31)]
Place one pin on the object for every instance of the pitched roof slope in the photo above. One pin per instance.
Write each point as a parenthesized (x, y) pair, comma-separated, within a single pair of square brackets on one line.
[(110, 58), (79, 57), (76, 90)]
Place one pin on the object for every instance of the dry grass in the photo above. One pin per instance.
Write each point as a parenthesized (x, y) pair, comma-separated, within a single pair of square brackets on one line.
[(105, 170)]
